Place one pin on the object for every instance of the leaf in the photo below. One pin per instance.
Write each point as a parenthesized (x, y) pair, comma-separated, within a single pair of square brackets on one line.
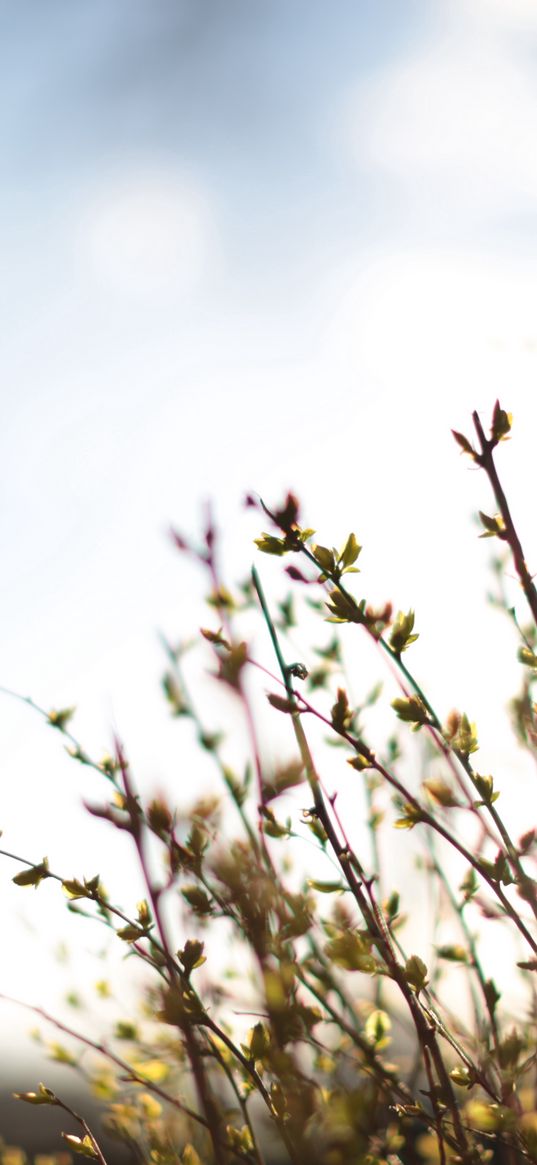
[(344, 609), (326, 887), (341, 715), (412, 815), (59, 719), (527, 657), (287, 777), (494, 527), (464, 443), (416, 973), (74, 889), (215, 637), (325, 558), (441, 792), (453, 953), (42, 1096), (258, 1042), (268, 544), (82, 1145), (350, 551), (463, 1076), (189, 1156), (197, 899), (485, 788), (281, 703), (33, 876), (192, 955), (501, 423), (155, 1071), (377, 1028), (361, 761), (131, 933), (401, 635), (412, 710), (469, 884)]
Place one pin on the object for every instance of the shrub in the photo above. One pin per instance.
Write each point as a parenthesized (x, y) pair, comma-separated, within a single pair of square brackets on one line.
[(333, 1043)]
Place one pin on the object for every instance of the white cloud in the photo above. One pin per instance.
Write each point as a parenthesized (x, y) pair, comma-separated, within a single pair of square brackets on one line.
[(455, 125), (145, 231)]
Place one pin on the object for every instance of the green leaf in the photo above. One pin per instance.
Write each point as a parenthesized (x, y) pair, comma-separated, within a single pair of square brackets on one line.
[(197, 899), (411, 816), (527, 656), (268, 544), (361, 761), (412, 710), (463, 1076), (258, 1042), (190, 1156), (453, 953), (74, 889), (33, 876), (131, 933), (416, 973), (341, 715), (494, 527), (469, 884), (326, 887), (377, 1028), (82, 1145), (42, 1096), (125, 1030), (350, 551), (485, 787), (401, 635), (325, 558), (344, 609), (192, 955), (59, 719)]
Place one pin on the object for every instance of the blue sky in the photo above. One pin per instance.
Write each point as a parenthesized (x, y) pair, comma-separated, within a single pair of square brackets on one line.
[(249, 246)]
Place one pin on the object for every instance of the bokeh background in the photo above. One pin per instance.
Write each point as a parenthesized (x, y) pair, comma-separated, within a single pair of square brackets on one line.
[(245, 246)]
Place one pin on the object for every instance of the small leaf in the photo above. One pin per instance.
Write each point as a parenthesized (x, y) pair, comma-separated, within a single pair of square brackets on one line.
[(33, 876), (192, 955), (416, 973), (189, 1156), (350, 551), (527, 656), (463, 1076), (441, 792), (326, 887), (401, 635), (131, 933), (494, 526), (82, 1145), (59, 719), (215, 637), (325, 558), (268, 544), (501, 423), (453, 953), (412, 710), (197, 899), (464, 443), (344, 609), (281, 703), (42, 1096)]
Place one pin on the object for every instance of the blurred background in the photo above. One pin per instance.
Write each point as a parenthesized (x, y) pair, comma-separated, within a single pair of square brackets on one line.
[(245, 246)]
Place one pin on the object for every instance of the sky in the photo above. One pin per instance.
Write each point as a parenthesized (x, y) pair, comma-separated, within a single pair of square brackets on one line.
[(247, 247)]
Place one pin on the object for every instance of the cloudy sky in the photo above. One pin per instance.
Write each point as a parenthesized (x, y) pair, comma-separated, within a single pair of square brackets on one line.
[(246, 247)]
